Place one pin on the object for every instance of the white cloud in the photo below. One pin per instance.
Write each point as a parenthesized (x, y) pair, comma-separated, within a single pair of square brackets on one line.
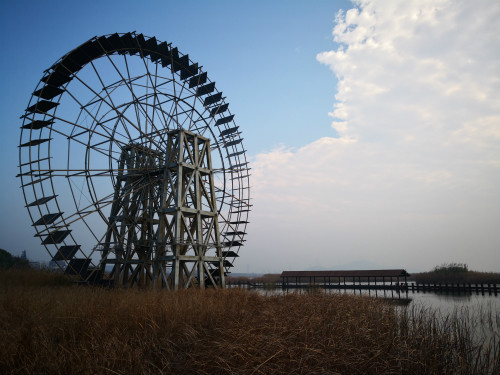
[(414, 179)]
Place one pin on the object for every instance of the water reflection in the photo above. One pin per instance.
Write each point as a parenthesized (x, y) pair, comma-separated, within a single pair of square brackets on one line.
[(447, 303)]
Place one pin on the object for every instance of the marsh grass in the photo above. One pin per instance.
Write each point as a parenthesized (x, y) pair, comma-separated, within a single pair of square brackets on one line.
[(54, 329), (33, 278)]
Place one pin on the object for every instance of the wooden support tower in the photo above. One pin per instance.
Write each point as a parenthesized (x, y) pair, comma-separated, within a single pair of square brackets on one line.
[(165, 233), (189, 221)]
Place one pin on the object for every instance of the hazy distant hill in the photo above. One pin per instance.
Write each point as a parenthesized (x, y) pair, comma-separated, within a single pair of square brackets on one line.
[(358, 265)]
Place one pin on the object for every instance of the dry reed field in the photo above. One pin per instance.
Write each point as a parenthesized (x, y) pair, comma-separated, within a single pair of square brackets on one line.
[(47, 327)]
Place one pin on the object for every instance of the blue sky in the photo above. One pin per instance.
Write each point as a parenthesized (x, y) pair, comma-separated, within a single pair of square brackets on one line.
[(373, 133), (261, 54)]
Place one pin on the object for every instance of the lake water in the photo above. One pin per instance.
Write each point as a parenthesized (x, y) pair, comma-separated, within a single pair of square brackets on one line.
[(450, 302), (444, 302)]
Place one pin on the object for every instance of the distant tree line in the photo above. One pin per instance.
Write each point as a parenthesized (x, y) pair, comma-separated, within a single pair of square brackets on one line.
[(455, 273), (451, 268), (7, 260)]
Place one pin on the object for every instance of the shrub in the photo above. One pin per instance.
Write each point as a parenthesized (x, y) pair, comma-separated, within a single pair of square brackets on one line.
[(451, 268), (6, 260)]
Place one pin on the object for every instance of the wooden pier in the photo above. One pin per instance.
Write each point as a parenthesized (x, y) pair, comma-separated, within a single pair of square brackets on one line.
[(383, 279), (455, 288), (409, 287), (393, 280)]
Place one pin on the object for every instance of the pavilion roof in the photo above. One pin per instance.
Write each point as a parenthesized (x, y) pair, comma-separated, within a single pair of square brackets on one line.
[(351, 273)]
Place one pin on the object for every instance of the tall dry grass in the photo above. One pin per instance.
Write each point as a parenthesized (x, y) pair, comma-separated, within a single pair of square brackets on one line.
[(78, 330), (27, 277)]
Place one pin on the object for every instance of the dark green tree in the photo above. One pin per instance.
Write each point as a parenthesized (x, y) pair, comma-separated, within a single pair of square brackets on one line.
[(6, 259), (452, 268)]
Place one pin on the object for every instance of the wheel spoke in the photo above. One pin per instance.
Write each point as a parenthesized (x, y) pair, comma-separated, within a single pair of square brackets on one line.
[(129, 161)]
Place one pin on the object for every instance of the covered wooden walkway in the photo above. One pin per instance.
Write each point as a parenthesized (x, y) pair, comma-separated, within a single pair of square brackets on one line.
[(344, 279)]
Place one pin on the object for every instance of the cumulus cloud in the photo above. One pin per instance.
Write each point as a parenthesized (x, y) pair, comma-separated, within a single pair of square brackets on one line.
[(413, 180)]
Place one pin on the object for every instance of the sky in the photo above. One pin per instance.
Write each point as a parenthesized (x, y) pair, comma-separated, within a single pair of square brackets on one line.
[(372, 127)]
